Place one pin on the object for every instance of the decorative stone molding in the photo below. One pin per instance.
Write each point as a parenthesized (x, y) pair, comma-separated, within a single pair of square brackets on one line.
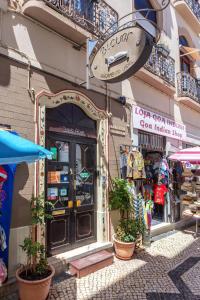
[(15, 4), (75, 97), (48, 100)]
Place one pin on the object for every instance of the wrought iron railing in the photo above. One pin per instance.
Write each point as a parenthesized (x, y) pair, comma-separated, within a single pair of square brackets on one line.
[(188, 86), (194, 5), (94, 16), (161, 65)]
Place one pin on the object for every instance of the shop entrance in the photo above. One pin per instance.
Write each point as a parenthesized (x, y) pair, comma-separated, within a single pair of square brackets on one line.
[(153, 147), (70, 178)]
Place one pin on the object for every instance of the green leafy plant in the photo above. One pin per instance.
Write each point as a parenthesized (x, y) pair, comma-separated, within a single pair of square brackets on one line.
[(38, 211), (126, 231), (121, 198), (37, 264)]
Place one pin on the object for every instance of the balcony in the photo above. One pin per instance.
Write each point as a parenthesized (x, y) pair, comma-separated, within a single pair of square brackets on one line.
[(74, 19), (159, 71), (188, 90), (190, 10)]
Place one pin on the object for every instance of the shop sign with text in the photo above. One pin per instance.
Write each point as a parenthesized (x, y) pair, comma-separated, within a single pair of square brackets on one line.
[(122, 54), (155, 123)]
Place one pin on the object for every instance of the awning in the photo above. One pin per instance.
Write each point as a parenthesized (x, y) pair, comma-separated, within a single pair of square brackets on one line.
[(15, 149), (192, 52), (190, 154)]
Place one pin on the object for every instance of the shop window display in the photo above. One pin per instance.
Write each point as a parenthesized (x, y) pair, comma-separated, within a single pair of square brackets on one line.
[(152, 169), (167, 185)]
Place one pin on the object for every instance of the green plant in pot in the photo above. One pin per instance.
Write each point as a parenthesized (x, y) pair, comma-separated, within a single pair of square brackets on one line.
[(129, 228), (34, 279)]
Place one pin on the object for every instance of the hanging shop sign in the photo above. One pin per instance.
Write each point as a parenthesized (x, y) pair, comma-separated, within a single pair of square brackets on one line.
[(153, 122), (122, 55), (7, 173)]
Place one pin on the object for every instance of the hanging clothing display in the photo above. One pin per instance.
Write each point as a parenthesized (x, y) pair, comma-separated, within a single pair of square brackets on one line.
[(148, 208), (157, 182), (124, 151), (131, 163), (163, 172), (148, 190), (135, 165), (123, 165), (159, 193)]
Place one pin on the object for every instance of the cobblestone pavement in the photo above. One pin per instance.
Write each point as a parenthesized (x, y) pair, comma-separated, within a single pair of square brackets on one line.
[(168, 270)]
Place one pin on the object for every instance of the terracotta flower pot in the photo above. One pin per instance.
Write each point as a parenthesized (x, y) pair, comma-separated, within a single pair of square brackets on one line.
[(37, 289), (124, 250)]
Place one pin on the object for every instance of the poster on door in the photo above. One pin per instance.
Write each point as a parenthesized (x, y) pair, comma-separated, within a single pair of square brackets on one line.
[(7, 173), (150, 121)]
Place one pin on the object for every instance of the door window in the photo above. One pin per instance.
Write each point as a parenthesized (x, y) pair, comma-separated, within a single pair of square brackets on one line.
[(58, 174), (84, 174)]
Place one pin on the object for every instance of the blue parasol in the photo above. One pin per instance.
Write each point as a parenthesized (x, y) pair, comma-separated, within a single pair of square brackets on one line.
[(15, 149)]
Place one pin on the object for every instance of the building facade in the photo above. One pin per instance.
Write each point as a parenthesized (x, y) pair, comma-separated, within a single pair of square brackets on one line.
[(44, 98)]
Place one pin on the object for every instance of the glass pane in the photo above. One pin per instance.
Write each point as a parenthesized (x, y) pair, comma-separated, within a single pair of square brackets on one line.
[(146, 4), (70, 119), (58, 174), (84, 180), (59, 149), (63, 151)]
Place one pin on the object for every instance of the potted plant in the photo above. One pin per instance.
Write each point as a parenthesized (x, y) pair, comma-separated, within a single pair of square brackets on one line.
[(34, 279), (129, 227)]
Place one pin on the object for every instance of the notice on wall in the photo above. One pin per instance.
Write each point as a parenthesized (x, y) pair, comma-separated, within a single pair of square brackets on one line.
[(146, 120)]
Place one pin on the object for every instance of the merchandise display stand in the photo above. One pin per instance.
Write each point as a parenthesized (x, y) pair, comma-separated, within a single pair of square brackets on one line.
[(196, 217), (191, 200)]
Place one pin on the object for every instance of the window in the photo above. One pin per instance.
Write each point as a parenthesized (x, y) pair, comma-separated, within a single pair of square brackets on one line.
[(185, 61), (183, 41), (143, 4), (84, 8)]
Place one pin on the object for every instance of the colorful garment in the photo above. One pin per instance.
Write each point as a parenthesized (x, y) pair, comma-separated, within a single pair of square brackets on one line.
[(135, 165), (148, 208), (159, 193), (148, 191)]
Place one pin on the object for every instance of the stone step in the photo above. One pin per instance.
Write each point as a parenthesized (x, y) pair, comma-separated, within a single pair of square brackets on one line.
[(90, 264), (61, 261), (166, 227)]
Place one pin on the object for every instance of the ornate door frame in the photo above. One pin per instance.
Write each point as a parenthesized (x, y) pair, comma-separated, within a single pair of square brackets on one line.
[(47, 100)]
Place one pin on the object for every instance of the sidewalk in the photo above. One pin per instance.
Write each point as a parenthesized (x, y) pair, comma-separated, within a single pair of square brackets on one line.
[(168, 270)]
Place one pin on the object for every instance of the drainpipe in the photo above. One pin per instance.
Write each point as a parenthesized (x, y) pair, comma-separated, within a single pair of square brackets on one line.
[(130, 108), (107, 193)]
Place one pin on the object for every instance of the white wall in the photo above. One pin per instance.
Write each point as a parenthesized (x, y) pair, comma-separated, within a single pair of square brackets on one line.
[(46, 50)]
